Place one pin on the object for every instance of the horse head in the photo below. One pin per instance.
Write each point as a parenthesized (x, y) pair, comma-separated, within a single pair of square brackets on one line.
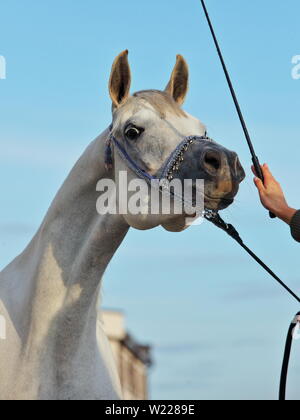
[(149, 126)]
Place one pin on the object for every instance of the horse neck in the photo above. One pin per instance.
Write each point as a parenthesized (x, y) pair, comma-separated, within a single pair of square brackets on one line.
[(60, 271)]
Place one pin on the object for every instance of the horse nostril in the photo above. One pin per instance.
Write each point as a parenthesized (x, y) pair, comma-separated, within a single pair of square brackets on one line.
[(212, 161)]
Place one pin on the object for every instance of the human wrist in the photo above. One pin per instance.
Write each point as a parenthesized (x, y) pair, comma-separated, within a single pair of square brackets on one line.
[(286, 214)]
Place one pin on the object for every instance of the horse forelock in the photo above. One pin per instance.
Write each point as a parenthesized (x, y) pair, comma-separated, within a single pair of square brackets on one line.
[(161, 101), (158, 101)]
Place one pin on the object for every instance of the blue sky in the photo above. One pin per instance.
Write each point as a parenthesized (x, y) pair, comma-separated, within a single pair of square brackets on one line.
[(216, 321)]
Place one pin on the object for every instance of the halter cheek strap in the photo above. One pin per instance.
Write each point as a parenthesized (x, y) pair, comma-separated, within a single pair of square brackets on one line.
[(108, 158), (141, 173)]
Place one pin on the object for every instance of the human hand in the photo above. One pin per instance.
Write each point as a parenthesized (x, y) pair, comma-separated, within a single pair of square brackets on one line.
[(272, 196)]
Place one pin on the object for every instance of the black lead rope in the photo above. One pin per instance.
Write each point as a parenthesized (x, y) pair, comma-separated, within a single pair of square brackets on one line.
[(216, 219), (286, 358)]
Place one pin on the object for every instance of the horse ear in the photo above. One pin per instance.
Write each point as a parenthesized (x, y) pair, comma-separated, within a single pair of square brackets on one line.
[(120, 79), (179, 82)]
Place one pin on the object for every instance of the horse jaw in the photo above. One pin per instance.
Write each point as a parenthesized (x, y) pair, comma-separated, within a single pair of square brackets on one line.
[(178, 224)]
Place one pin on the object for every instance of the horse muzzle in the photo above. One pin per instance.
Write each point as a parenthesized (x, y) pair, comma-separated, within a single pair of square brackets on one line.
[(203, 159)]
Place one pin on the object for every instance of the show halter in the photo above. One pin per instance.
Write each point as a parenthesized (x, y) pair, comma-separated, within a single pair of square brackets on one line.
[(161, 180), (170, 166)]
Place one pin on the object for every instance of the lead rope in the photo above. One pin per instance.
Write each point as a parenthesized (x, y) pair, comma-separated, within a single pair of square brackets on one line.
[(216, 219), (287, 355)]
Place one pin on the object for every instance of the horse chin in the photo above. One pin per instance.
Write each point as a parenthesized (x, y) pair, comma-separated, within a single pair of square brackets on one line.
[(175, 223), (183, 222), (142, 222), (178, 224)]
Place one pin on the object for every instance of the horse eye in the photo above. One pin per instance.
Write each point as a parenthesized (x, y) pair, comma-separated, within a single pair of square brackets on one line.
[(132, 133)]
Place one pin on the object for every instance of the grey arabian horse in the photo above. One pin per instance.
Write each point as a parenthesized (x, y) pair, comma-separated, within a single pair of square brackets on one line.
[(55, 347)]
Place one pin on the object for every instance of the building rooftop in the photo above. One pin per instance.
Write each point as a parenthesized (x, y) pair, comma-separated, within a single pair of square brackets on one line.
[(114, 327)]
